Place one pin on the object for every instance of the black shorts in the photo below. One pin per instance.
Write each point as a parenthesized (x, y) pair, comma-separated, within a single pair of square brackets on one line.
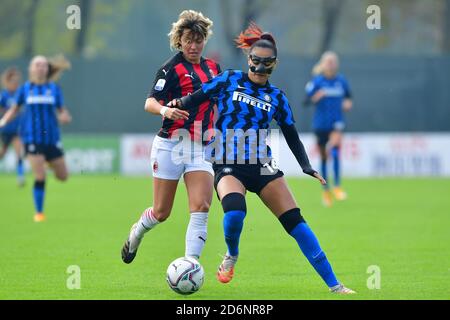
[(50, 152), (7, 138), (323, 136), (254, 177)]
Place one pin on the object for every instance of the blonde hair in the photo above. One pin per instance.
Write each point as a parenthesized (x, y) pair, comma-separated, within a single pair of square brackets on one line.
[(318, 67), (8, 74), (192, 20), (56, 65)]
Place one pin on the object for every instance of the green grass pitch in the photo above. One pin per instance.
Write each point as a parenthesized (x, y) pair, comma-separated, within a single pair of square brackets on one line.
[(400, 225)]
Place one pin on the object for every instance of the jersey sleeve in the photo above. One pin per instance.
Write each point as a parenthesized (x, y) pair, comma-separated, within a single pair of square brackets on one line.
[(19, 97), (2, 101), (163, 84), (59, 99), (219, 69), (284, 115), (347, 90), (311, 87), (214, 87)]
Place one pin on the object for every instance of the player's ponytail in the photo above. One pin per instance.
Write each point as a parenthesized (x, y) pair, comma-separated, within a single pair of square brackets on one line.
[(253, 36), (56, 65)]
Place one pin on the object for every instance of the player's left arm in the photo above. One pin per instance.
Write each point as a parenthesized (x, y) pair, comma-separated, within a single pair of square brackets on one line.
[(64, 116), (347, 103), (285, 120)]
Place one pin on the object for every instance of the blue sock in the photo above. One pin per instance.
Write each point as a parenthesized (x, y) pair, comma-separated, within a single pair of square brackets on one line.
[(310, 247), (336, 166), (20, 169), (233, 222), (324, 171), (38, 195)]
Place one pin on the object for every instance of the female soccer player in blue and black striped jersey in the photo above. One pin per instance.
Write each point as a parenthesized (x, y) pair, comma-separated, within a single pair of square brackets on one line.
[(247, 103), (10, 133), (44, 108), (330, 92)]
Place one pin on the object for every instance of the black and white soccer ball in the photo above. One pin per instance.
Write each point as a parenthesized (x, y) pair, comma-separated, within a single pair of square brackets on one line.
[(185, 275)]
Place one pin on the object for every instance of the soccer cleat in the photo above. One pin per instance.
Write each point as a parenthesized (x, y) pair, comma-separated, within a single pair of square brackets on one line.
[(339, 194), (130, 246), (327, 198), (39, 217), (226, 269), (341, 289)]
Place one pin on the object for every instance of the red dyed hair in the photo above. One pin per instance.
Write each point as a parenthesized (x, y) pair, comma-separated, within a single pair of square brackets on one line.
[(251, 35)]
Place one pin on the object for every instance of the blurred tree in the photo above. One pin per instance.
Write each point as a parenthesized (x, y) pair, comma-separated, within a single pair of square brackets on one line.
[(331, 10), (251, 10), (446, 27), (30, 19), (80, 40)]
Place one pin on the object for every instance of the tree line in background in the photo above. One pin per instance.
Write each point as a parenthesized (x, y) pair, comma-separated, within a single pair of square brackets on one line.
[(31, 26)]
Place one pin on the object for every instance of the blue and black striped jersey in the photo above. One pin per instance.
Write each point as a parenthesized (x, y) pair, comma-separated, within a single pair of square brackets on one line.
[(245, 112), (7, 100), (40, 124), (328, 111)]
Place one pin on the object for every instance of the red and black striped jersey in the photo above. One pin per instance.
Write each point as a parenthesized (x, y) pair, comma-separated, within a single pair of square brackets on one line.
[(178, 78)]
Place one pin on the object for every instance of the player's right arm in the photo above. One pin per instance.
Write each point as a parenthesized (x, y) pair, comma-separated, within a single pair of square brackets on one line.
[(159, 95), (14, 109), (313, 91), (209, 90), (9, 115)]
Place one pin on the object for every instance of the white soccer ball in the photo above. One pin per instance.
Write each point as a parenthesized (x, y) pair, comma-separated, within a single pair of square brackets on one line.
[(185, 275)]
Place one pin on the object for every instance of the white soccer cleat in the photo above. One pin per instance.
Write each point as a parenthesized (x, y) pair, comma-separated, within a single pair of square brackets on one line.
[(341, 289), (131, 246)]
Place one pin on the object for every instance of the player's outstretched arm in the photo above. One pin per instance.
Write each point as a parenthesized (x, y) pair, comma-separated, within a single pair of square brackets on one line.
[(64, 116), (154, 107), (347, 104), (298, 149), (9, 115)]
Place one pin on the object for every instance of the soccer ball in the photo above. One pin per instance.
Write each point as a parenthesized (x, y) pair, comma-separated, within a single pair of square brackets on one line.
[(185, 275)]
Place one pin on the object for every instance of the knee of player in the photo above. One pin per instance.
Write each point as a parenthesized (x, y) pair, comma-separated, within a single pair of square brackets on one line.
[(234, 201), (290, 219), (161, 214), (201, 206), (63, 177)]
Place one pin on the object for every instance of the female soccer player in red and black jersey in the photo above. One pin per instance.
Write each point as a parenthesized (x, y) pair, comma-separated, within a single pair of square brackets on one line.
[(180, 76), (247, 103), (44, 108)]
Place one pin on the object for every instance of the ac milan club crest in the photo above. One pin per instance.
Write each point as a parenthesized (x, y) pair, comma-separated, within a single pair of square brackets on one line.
[(155, 166)]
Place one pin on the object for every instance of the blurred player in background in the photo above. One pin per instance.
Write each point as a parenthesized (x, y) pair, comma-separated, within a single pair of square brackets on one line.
[(44, 108), (329, 91), (10, 79), (247, 103), (179, 76)]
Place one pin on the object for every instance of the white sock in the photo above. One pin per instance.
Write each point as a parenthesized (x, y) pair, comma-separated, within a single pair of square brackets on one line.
[(196, 234), (145, 223)]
